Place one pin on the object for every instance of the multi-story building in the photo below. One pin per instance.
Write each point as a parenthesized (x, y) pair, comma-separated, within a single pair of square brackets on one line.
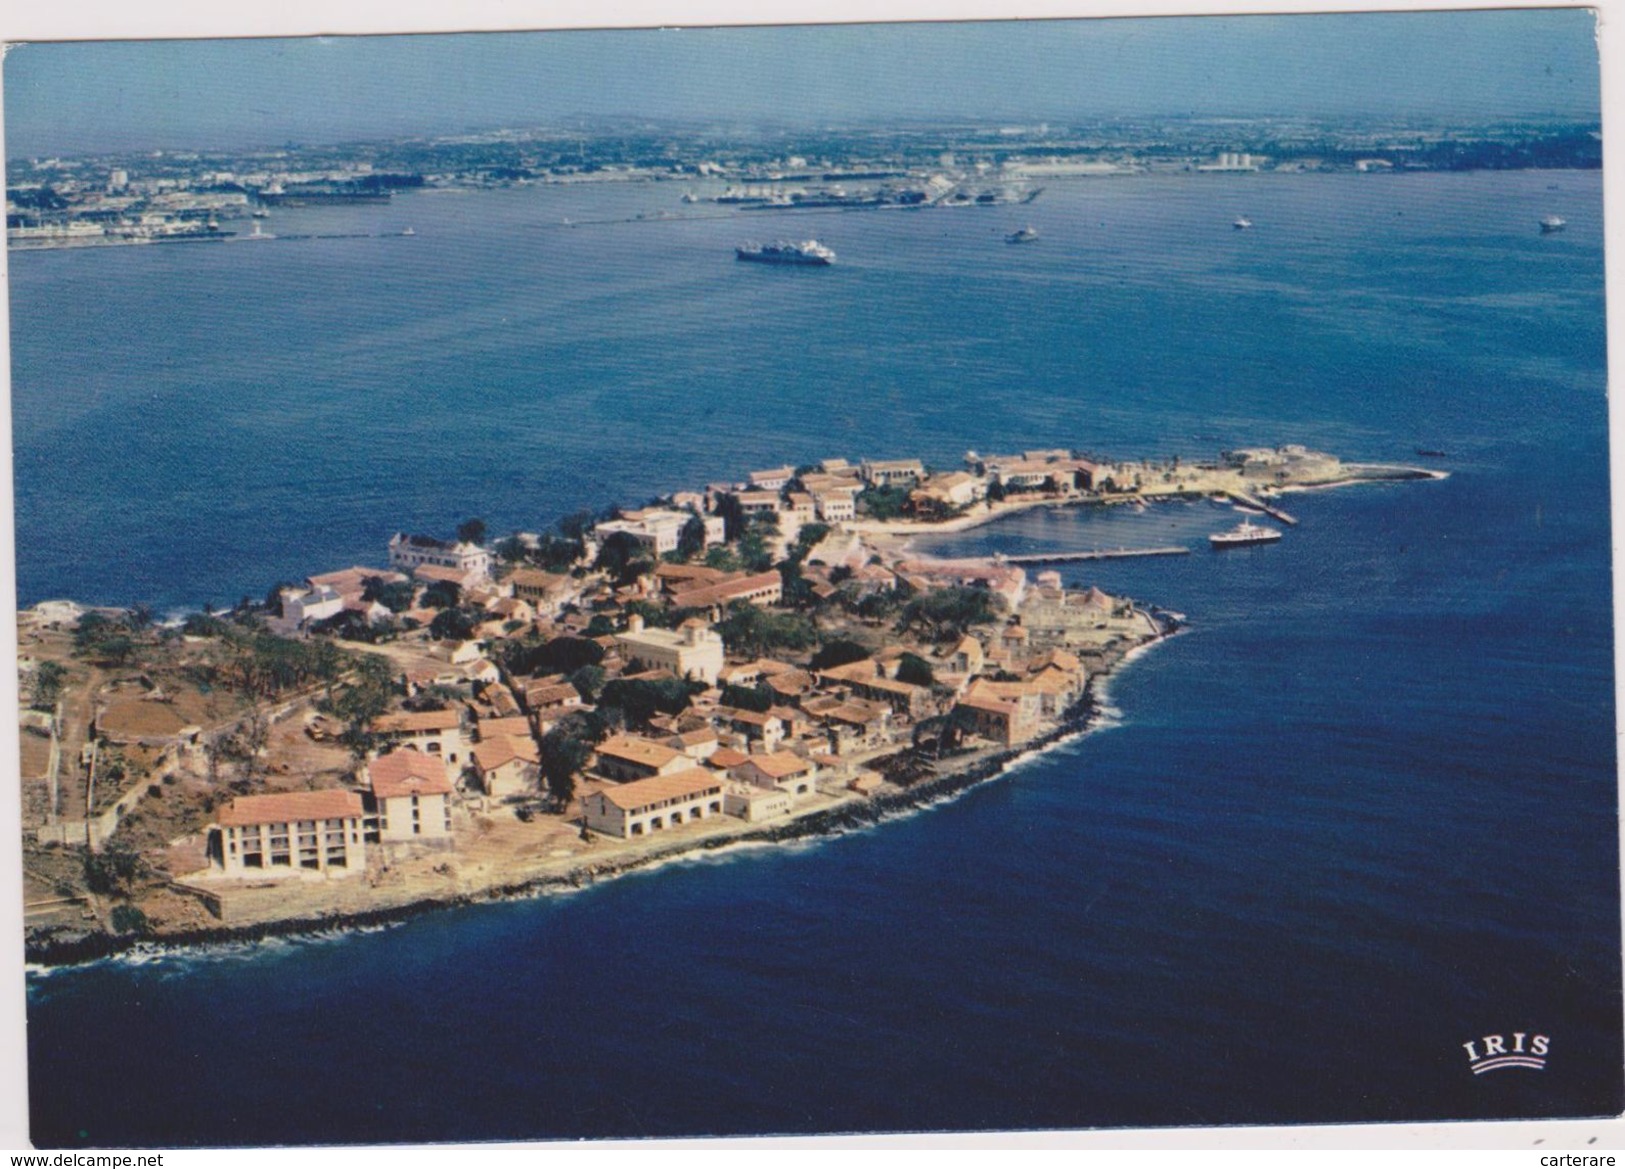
[(320, 833), (692, 650), (631, 758), (412, 797), (661, 529), (652, 805), (410, 552), (892, 472), (433, 732)]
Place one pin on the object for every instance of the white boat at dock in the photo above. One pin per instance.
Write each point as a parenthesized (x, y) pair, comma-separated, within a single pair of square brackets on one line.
[(1243, 534)]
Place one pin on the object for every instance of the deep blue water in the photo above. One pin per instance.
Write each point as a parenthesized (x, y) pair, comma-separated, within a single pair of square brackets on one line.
[(1362, 811)]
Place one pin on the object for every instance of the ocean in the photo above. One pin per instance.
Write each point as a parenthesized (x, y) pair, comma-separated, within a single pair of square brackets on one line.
[(1361, 812)]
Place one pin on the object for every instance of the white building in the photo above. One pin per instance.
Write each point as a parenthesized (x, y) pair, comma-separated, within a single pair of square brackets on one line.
[(660, 529), (692, 650), (299, 607), (412, 796), (411, 552), (317, 833), (772, 480), (892, 472), (836, 504), (433, 732), (651, 805)]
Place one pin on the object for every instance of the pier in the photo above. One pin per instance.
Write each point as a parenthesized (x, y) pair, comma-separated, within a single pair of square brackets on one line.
[(1270, 510), (1096, 554)]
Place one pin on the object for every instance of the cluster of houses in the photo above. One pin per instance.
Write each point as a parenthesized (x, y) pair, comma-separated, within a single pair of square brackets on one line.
[(805, 735)]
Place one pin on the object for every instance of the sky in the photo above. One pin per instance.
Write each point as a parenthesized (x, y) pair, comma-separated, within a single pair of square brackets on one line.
[(84, 97)]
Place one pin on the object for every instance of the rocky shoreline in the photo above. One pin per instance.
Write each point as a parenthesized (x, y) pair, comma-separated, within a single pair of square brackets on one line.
[(1079, 719)]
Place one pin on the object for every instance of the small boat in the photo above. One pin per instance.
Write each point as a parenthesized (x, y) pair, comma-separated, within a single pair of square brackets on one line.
[(1242, 224), (1552, 223), (1243, 534), (1025, 235), (408, 231)]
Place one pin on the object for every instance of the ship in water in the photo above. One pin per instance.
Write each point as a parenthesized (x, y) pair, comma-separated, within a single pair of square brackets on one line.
[(808, 252), (1242, 224), (1552, 223), (1243, 534), (1025, 235)]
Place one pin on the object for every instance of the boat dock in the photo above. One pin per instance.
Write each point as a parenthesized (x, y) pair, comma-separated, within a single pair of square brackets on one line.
[(1095, 554), (1254, 502)]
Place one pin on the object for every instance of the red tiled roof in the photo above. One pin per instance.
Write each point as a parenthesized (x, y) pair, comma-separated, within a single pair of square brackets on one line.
[(289, 807), (640, 793), (441, 573), (778, 765), (408, 773), (490, 728), (635, 750), (726, 591), (411, 721), (493, 753)]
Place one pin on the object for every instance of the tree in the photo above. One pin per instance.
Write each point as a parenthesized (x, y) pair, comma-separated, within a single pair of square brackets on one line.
[(140, 616), (759, 697), (640, 699), (564, 753), (512, 550), (127, 919), (753, 631), (794, 589), (575, 526), (456, 624), (471, 531), (949, 612), (753, 550), (588, 681), (255, 734), (600, 626), (838, 651), (882, 503), (442, 594), (48, 680), (733, 516), (995, 492), (623, 557), (915, 670), (115, 649), (113, 869), (394, 595), (557, 553), (561, 655), (362, 701), (691, 540), (808, 538), (722, 559)]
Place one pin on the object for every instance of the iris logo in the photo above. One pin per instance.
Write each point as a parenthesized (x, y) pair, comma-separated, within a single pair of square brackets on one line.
[(1499, 1054)]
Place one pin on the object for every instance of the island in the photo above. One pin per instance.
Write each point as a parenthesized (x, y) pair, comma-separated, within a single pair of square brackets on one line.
[(733, 664)]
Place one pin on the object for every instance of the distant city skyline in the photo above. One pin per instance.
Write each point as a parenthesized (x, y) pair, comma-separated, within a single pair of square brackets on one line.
[(92, 97)]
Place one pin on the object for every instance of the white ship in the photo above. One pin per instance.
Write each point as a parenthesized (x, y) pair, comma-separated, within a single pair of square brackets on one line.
[(1552, 223), (1242, 224), (806, 252), (1243, 534)]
